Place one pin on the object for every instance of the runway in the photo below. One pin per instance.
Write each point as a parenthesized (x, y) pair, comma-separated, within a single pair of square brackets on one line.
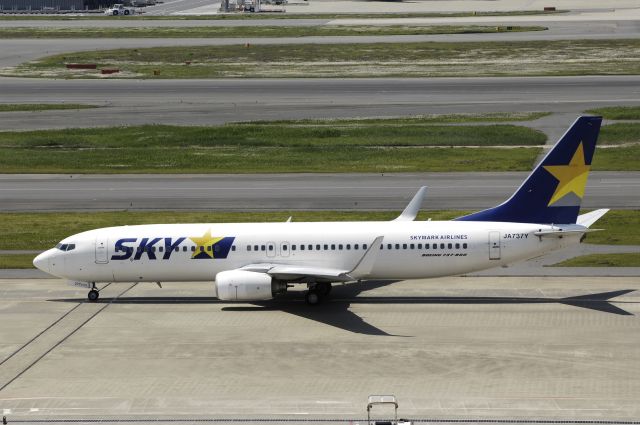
[(289, 192), (453, 348), (210, 102)]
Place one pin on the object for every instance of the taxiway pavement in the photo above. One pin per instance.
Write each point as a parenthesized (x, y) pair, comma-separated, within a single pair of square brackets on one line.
[(463, 347), (209, 102), (264, 192)]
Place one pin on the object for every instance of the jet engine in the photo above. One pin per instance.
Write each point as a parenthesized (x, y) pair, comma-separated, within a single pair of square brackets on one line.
[(241, 285)]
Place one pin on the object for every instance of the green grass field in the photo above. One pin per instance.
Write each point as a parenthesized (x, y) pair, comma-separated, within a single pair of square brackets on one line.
[(263, 147), (617, 112), (424, 59), (258, 31), (602, 260)]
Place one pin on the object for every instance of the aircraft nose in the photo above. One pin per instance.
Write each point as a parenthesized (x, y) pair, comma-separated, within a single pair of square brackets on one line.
[(42, 261)]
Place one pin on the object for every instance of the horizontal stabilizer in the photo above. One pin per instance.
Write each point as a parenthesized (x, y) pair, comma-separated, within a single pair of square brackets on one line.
[(559, 232), (588, 219), (411, 211)]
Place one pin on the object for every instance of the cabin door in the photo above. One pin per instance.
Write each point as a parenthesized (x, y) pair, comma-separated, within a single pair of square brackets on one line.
[(494, 245)]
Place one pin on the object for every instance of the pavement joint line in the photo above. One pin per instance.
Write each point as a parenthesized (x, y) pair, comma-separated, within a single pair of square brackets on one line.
[(331, 420), (46, 329), (114, 299)]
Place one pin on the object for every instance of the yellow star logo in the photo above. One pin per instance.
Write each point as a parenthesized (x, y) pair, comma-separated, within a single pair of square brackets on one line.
[(202, 243), (571, 177)]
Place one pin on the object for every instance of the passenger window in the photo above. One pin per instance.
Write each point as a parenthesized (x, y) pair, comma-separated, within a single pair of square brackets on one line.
[(193, 249), (293, 247), (449, 246), (464, 246), (248, 247), (262, 248), (301, 247), (333, 247), (284, 247), (270, 247), (326, 247), (348, 246), (404, 246), (233, 248), (412, 246), (397, 246), (364, 246), (457, 246), (184, 248), (356, 246), (434, 246), (317, 247), (208, 247), (340, 246), (389, 246), (160, 249), (310, 247), (255, 247), (441, 246), (419, 246)]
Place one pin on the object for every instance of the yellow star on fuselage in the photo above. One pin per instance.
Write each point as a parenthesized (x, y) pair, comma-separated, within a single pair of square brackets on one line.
[(202, 243), (571, 177)]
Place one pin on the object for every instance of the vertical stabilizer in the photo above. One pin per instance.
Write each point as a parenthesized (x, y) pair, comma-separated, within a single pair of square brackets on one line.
[(553, 191)]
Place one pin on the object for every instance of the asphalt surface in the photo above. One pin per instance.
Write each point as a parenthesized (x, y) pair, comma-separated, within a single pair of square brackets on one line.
[(264, 192), (507, 348), (208, 102)]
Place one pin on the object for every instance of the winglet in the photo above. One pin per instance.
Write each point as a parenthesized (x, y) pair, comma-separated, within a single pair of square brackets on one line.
[(411, 211), (368, 260), (588, 219)]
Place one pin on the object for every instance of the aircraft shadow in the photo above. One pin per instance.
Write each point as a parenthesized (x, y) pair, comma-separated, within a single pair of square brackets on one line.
[(335, 310)]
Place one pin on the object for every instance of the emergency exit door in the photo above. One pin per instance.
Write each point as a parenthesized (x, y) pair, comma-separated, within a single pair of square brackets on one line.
[(494, 245)]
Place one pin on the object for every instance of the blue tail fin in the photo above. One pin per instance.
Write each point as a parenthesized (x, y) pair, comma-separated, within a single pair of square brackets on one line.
[(553, 191)]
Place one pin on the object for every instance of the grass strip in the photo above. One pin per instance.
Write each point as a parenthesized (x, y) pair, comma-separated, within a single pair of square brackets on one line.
[(43, 230), (617, 112), (621, 227), (16, 261), (619, 133), (602, 260), (424, 59), (260, 16), (258, 31), (33, 107), (251, 148)]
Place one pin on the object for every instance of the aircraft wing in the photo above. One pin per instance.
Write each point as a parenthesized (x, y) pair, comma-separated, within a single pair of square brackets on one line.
[(284, 271), (290, 271)]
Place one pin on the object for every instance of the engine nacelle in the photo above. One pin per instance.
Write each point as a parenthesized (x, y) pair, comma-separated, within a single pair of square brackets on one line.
[(241, 285)]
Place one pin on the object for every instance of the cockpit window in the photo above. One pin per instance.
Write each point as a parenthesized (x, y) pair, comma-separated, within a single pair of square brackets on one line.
[(66, 246)]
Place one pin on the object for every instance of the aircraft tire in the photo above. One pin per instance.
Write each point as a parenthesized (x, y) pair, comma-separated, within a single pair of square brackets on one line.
[(93, 295), (312, 298)]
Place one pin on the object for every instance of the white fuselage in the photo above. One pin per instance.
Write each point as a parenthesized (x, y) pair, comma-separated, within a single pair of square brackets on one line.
[(410, 249)]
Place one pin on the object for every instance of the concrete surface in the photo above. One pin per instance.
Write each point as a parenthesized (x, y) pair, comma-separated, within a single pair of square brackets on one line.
[(210, 102), (479, 348), (278, 192)]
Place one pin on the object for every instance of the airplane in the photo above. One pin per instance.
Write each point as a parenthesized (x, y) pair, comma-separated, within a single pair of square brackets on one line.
[(261, 261)]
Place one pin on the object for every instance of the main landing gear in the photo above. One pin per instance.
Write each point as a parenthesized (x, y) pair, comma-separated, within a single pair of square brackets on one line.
[(317, 292), (93, 294)]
